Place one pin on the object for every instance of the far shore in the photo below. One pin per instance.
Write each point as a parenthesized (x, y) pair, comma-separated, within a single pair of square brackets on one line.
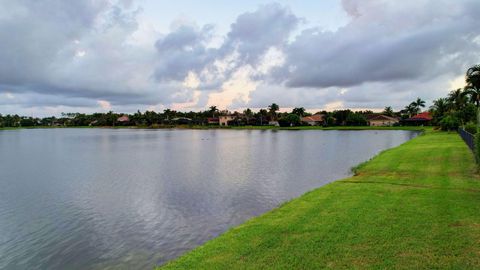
[(414, 128)]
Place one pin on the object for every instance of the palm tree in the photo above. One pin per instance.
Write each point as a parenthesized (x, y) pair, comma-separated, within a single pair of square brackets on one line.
[(262, 113), (457, 98), (472, 88), (440, 107), (213, 110), (412, 109), (299, 111), (472, 78), (419, 103), (272, 109), (388, 111), (248, 115)]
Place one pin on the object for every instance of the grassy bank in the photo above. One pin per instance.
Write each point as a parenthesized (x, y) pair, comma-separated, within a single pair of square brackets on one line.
[(416, 206)]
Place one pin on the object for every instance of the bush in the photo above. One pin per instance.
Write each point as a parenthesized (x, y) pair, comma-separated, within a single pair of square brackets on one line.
[(449, 122), (289, 120), (470, 128), (356, 119), (477, 147)]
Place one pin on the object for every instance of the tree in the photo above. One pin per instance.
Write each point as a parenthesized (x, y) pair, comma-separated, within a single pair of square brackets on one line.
[(213, 110), (418, 104), (457, 98), (472, 88), (388, 111), (272, 109), (412, 109), (262, 115), (439, 108), (299, 111), (289, 120), (248, 115)]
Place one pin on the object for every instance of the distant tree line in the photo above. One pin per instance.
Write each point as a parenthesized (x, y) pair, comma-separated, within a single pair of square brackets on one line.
[(459, 108), (171, 118)]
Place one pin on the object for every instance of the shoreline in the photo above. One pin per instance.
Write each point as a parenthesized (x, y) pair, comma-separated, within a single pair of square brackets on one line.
[(413, 128), (412, 206)]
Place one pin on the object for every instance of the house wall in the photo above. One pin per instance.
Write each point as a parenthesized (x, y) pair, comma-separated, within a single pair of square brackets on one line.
[(380, 123), (223, 120)]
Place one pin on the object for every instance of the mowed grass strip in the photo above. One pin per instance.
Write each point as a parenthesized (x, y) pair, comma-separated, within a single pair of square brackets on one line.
[(416, 206)]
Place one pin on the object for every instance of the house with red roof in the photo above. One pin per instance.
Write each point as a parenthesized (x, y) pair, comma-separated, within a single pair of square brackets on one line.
[(314, 120), (212, 121), (421, 119)]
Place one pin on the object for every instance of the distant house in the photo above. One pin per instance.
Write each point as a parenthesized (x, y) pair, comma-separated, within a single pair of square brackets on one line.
[(182, 120), (212, 121), (421, 119), (314, 120), (381, 120), (273, 123), (123, 119), (223, 120)]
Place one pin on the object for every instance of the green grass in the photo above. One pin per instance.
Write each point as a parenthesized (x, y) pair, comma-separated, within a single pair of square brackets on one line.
[(416, 206)]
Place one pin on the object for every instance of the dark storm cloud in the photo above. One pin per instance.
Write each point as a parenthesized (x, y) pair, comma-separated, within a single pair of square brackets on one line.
[(385, 41)]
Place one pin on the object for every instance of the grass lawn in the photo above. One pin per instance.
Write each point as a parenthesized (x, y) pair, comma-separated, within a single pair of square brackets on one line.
[(416, 206)]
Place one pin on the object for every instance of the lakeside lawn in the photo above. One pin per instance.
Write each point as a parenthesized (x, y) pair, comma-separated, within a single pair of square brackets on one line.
[(416, 206)]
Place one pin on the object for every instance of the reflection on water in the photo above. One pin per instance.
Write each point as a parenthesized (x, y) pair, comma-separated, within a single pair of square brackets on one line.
[(102, 198)]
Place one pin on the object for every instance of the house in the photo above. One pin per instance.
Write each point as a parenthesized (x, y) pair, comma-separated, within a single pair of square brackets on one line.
[(223, 120), (314, 120), (420, 119), (182, 120), (212, 121), (381, 120), (123, 119)]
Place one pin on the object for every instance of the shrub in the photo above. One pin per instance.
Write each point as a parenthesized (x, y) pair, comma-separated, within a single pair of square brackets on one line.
[(470, 128), (449, 122), (356, 119), (289, 120), (477, 147)]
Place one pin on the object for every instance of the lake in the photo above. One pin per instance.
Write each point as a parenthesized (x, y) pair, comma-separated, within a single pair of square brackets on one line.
[(131, 199)]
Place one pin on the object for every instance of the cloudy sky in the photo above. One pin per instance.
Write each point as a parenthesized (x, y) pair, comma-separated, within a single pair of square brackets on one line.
[(99, 55)]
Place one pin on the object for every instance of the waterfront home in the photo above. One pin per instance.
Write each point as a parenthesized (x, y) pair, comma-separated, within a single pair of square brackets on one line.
[(314, 120), (382, 120), (182, 120), (273, 123), (212, 121), (123, 119), (421, 119), (223, 119)]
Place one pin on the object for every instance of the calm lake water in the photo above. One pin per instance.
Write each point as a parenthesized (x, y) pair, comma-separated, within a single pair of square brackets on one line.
[(131, 199)]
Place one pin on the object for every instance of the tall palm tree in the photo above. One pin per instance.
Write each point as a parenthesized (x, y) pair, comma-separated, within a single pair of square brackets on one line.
[(272, 109), (472, 78), (419, 103), (457, 98), (388, 111), (299, 111), (472, 88), (213, 110), (412, 109), (248, 115), (440, 107), (473, 93)]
